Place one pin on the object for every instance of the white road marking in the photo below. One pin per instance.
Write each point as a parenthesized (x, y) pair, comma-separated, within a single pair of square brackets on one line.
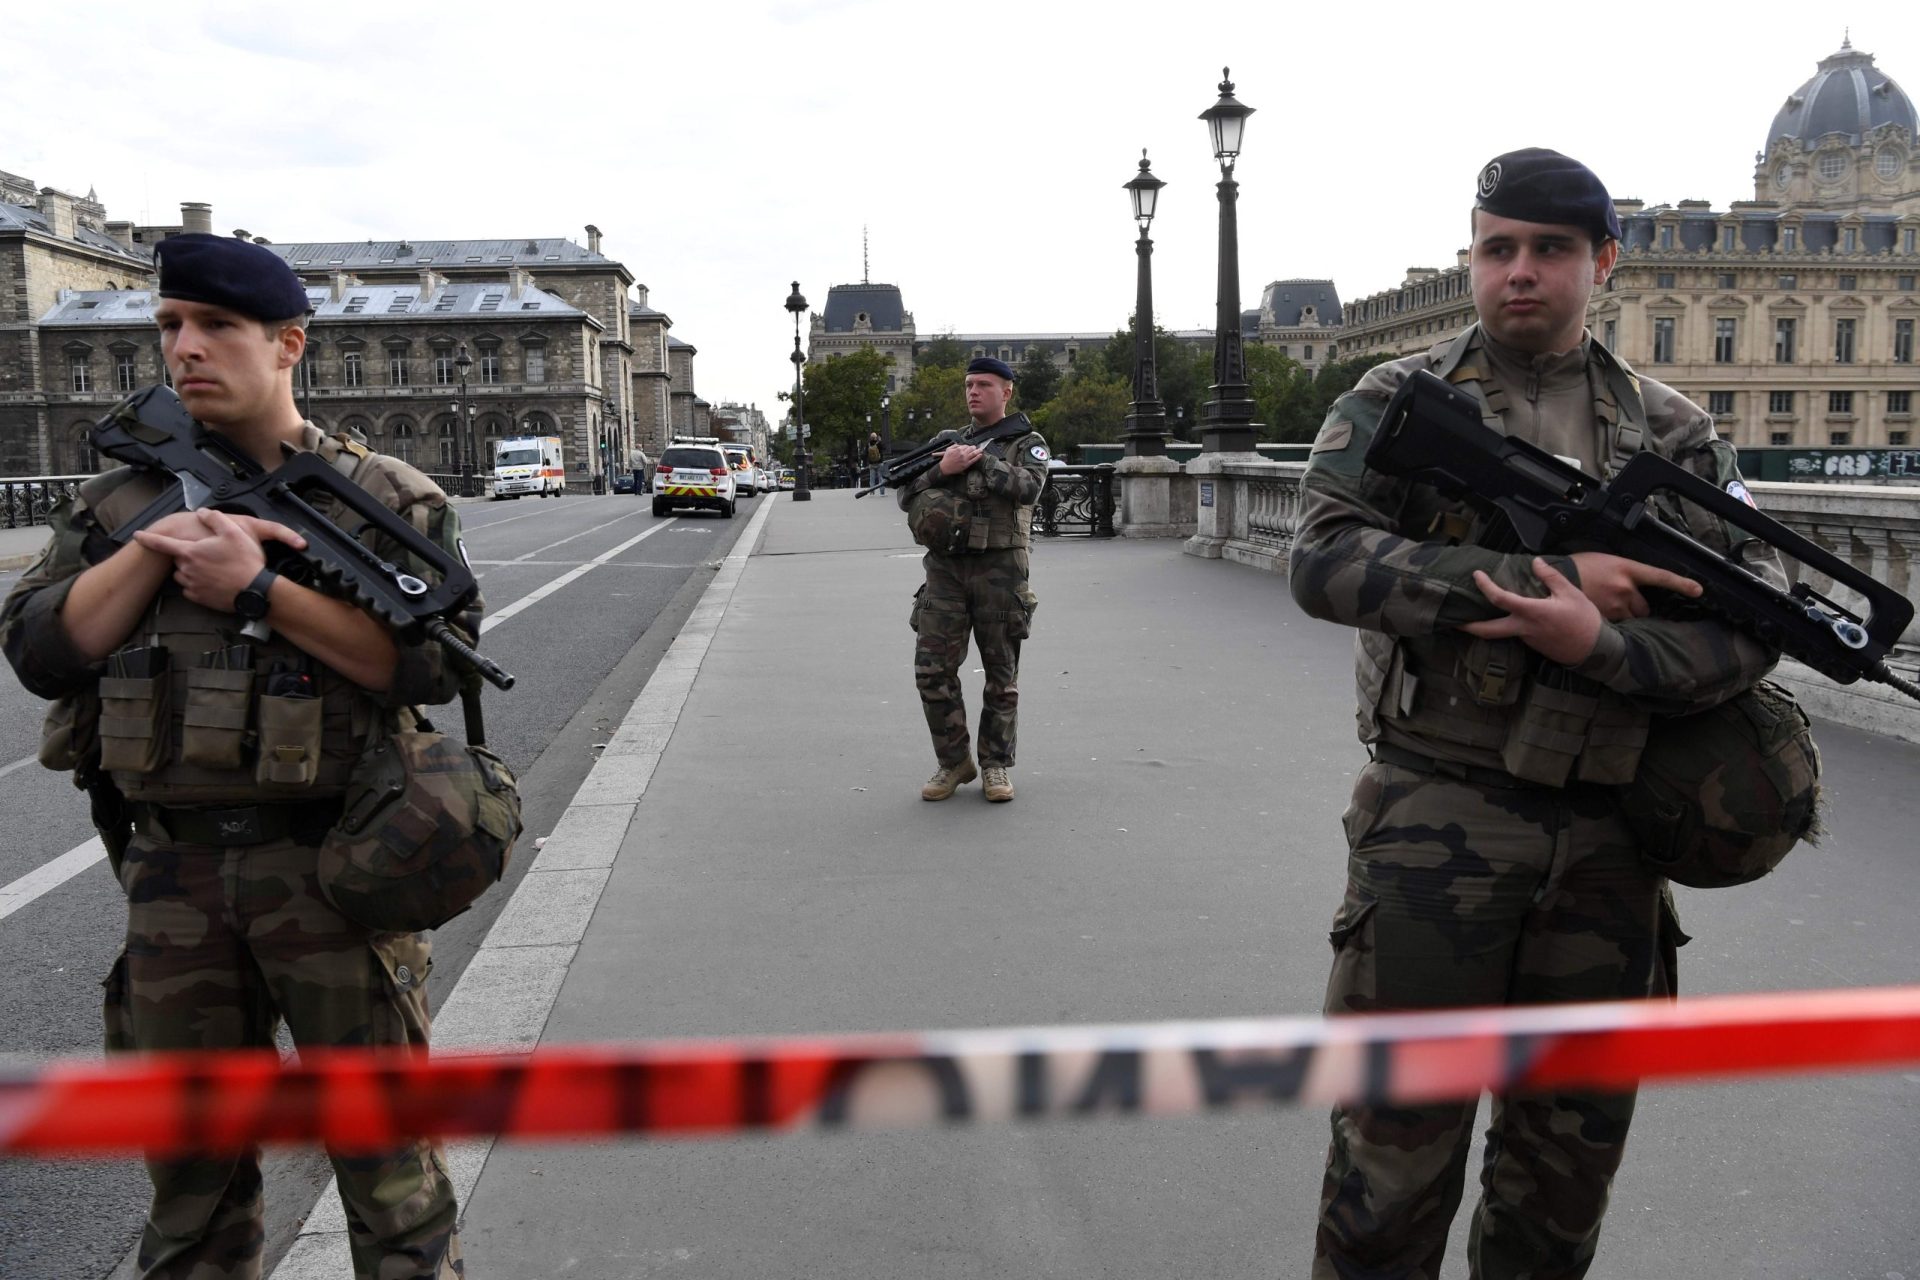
[(540, 593), (49, 876), (21, 763)]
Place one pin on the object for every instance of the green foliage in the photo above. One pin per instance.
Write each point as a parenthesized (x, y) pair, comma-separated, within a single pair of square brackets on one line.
[(840, 394), (1038, 379), (1291, 403), (944, 352), (1182, 373), (1090, 407), (936, 397)]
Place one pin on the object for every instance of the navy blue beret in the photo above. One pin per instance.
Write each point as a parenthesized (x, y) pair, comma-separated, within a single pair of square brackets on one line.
[(987, 364), (1537, 185), (235, 274)]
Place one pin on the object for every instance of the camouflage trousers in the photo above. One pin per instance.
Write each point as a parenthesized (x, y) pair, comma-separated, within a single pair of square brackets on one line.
[(221, 945), (1457, 895), (986, 596)]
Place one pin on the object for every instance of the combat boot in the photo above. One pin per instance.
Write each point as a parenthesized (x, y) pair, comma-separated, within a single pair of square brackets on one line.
[(943, 783), (998, 788)]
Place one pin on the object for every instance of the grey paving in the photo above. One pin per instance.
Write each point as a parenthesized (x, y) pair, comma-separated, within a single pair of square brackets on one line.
[(1185, 753)]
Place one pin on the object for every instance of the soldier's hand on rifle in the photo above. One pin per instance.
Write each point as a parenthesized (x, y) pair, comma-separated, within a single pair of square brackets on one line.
[(1613, 583), (222, 559), (959, 457), (1562, 626)]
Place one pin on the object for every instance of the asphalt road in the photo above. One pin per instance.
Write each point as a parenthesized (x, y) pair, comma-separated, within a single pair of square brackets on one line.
[(580, 654)]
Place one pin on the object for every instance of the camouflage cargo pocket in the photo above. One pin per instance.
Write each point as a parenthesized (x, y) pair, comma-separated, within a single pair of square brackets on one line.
[(114, 1007), (1020, 620), (913, 614), (1352, 987), (71, 731)]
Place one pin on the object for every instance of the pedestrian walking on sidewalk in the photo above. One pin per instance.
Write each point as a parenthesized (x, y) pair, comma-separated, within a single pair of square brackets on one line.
[(1505, 699), (974, 514), (873, 460), (217, 759)]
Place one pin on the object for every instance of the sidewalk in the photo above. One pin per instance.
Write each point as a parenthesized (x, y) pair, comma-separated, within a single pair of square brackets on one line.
[(21, 547), (751, 855)]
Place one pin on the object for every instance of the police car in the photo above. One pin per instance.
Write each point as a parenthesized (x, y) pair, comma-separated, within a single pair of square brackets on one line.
[(693, 472)]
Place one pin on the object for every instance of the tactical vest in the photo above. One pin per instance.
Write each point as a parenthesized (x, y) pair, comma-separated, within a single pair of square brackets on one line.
[(958, 515), (1494, 701), (200, 735)]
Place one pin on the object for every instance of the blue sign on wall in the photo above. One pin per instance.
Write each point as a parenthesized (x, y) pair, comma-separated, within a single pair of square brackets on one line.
[(1206, 493)]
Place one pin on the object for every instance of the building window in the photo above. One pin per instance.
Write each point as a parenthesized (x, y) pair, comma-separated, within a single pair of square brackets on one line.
[(1839, 403), (123, 373), (80, 374), (1663, 280), (1309, 351), (1904, 283), (1780, 437), (1726, 280), (1784, 333), (1663, 339), (1609, 332), (1789, 239), (1727, 239), (1788, 282), (1724, 331), (443, 370), (1906, 240), (1903, 342), (354, 376), (490, 366), (1720, 403), (1848, 284), (1899, 402), (396, 369), (1849, 240), (1779, 402), (1896, 438), (1666, 237), (1840, 437), (1843, 340), (536, 364)]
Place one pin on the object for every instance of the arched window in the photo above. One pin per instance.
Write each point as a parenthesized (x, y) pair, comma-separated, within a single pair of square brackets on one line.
[(445, 430), (77, 456), (400, 432)]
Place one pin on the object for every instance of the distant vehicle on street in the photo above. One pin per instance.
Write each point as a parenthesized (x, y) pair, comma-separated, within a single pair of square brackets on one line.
[(746, 473), (693, 472), (623, 482), (786, 477), (529, 464)]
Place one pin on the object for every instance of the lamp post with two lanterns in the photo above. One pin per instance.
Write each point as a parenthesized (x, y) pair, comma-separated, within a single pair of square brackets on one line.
[(802, 492), (462, 363), (1226, 421)]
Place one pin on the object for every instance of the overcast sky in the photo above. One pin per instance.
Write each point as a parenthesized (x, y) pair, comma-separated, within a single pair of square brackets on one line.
[(726, 149)]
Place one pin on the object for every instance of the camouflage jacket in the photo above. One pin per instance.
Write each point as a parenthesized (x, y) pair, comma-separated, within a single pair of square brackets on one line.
[(1011, 471), (36, 642), (1384, 555)]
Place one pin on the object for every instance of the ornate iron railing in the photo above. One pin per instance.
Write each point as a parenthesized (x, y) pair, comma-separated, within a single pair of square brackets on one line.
[(1077, 501), (26, 500)]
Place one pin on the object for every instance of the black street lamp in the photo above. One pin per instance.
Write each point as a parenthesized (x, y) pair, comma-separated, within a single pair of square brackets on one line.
[(886, 429), (1146, 418), (464, 362), (797, 304), (1226, 421)]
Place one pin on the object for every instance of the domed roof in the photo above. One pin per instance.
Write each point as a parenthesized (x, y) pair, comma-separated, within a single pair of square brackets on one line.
[(1847, 95)]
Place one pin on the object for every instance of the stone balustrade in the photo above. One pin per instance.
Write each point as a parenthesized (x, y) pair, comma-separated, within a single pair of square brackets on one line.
[(1243, 508)]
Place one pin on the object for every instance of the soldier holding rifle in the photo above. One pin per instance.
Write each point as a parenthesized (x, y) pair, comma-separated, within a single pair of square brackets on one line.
[(218, 708)]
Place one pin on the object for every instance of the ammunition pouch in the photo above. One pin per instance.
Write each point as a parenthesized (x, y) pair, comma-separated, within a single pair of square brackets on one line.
[(428, 825)]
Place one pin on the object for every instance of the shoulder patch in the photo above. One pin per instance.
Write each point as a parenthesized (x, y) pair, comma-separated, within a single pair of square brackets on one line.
[(1333, 437), (1741, 492), (1039, 452)]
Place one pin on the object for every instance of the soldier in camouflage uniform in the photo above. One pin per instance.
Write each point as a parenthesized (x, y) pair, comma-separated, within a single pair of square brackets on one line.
[(974, 514), (1503, 698), (229, 754)]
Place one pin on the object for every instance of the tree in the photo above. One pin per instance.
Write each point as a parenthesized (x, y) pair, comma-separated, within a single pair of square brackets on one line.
[(936, 397), (944, 352), (1092, 406), (1039, 379), (1281, 390), (1182, 372), (840, 393)]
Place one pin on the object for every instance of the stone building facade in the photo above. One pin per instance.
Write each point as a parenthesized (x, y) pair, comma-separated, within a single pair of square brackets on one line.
[(652, 374), (1791, 317)]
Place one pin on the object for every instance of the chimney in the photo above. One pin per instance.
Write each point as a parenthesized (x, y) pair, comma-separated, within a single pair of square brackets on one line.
[(122, 234), (57, 208), (593, 238), (640, 291), (338, 282), (196, 216), (241, 236), (518, 282), (431, 282)]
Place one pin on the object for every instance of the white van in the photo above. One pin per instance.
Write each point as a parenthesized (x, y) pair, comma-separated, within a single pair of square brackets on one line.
[(529, 464)]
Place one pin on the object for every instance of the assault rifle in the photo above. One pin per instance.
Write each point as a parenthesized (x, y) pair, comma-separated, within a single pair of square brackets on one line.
[(1433, 433), (153, 431), (909, 466)]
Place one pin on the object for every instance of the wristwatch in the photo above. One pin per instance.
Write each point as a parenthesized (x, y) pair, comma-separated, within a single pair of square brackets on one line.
[(250, 602)]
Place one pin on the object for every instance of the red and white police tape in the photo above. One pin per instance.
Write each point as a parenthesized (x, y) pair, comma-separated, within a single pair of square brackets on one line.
[(172, 1104)]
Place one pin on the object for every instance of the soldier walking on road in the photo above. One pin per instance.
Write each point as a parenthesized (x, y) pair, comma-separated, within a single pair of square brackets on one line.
[(974, 514), (1504, 699), (218, 758)]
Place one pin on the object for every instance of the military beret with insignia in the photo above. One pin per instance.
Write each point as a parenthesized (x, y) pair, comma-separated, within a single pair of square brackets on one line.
[(987, 364), (235, 274), (1538, 185)]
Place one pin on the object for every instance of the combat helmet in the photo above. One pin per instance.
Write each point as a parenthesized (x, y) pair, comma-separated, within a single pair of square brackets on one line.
[(428, 825), (1723, 795)]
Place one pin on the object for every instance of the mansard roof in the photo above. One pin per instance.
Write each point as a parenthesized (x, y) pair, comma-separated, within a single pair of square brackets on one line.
[(18, 217), (372, 254), (882, 303)]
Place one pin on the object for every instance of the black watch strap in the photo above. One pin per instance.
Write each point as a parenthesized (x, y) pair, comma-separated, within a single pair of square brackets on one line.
[(250, 602)]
